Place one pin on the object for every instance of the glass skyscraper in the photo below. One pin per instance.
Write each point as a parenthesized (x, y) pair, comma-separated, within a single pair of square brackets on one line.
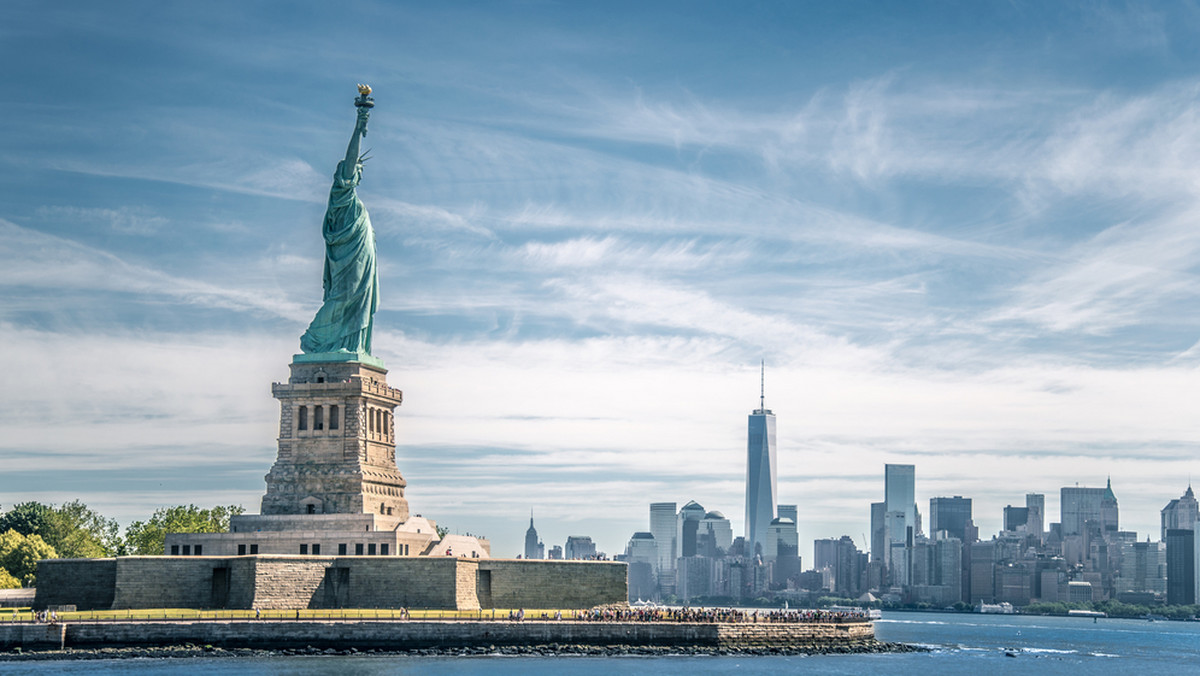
[(761, 492)]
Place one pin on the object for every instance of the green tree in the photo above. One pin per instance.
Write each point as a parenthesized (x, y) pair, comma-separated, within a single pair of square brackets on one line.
[(26, 518), (19, 555), (145, 538), (7, 581), (73, 530), (77, 532)]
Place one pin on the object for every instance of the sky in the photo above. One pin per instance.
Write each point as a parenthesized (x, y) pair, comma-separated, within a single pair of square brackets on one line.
[(960, 235)]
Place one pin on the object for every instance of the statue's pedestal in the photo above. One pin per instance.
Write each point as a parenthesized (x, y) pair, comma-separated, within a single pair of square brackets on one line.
[(337, 440)]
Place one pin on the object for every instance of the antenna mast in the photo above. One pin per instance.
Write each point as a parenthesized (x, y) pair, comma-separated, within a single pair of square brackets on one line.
[(762, 385)]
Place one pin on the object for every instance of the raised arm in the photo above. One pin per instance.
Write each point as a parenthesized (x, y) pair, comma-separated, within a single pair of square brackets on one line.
[(352, 150), (364, 103)]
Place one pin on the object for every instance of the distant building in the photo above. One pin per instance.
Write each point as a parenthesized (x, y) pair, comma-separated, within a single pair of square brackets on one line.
[(662, 526), (715, 537), (789, 512), (1181, 513), (555, 553), (1080, 505), (534, 549), (899, 492), (846, 565), (1035, 522), (641, 555), (1143, 567), (687, 527), (937, 571), (1181, 566), (952, 515), (782, 550), (900, 521), (761, 474), (579, 547), (1015, 518), (782, 538)]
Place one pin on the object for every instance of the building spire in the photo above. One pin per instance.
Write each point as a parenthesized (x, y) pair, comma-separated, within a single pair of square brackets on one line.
[(762, 385)]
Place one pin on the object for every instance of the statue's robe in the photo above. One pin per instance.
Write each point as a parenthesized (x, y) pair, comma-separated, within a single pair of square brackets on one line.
[(344, 322)]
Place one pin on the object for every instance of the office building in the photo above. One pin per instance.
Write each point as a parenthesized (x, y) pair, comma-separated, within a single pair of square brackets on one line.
[(687, 527), (1015, 518), (1080, 505), (715, 535), (846, 565), (579, 547), (534, 549), (1181, 513), (761, 473), (662, 526), (878, 539), (1143, 567), (952, 515), (789, 512), (899, 492), (641, 555), (782, 550), (1181, 566), (1035, 522)]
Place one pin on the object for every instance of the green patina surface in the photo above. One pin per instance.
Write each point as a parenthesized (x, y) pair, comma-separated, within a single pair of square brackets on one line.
[(351, 283), (337, 358)]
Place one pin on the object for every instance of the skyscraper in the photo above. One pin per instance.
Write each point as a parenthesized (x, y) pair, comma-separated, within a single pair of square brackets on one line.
[(899, 519), (1036, 522), (662, 526), (534, 549), (952, 515), (789, 512), (760, 472), (1180, 513), (1181, 566), (1080, 505), (715, 530), (687, 528), (899, 491)]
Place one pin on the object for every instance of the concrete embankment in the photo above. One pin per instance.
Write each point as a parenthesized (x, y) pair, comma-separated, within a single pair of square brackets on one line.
[(416, 635)]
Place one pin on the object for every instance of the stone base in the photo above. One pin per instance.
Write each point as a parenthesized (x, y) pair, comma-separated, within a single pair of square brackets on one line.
[(321, 534)]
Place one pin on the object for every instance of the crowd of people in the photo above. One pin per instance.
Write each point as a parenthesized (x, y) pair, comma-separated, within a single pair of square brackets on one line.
[(716, 615)]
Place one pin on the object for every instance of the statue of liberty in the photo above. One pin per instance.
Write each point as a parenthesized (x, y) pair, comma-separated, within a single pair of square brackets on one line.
[(343, 324)]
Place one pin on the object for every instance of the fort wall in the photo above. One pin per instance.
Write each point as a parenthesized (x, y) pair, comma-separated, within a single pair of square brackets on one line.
[(286, 582)]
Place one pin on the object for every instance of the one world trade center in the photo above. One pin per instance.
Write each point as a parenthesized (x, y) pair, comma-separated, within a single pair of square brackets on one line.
[(761, 491)]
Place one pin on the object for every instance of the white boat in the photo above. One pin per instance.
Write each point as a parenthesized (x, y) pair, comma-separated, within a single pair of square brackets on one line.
[(1003, 608)]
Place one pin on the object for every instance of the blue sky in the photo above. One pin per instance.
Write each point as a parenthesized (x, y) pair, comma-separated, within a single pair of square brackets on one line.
[(962, 235)]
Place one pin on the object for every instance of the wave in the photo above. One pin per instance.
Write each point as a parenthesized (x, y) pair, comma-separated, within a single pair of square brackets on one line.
[(1053, 651)]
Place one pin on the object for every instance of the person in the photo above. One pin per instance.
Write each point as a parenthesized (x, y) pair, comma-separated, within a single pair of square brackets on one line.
[(257, 613), (350, 279)]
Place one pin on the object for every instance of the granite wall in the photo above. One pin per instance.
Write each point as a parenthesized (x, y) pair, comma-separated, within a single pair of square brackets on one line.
[(284, 582)]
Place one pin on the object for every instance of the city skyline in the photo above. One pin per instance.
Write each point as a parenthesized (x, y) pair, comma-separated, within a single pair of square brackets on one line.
[(964, 237)]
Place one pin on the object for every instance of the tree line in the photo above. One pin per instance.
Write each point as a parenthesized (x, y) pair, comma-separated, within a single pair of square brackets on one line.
[(32, 531)]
